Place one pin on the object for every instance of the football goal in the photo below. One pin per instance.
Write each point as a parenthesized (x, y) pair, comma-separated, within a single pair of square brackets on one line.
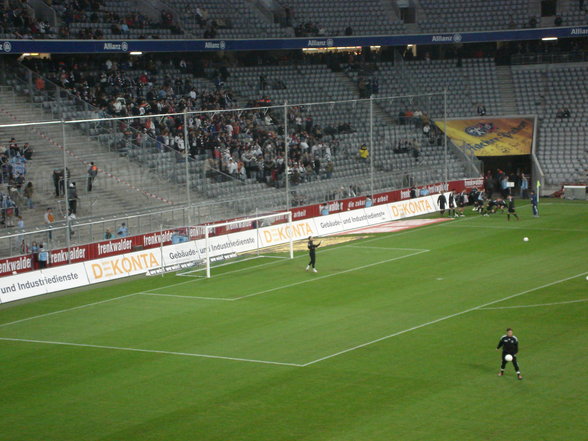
[(220, 244)]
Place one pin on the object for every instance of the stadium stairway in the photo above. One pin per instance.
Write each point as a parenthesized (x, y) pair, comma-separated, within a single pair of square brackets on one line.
[(111, 194), (507, 92)]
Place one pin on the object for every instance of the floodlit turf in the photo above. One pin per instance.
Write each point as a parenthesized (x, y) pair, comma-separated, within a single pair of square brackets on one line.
[(392, 340)]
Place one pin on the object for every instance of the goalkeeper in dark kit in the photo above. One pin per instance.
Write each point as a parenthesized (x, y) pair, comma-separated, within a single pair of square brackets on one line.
[(312, 254)]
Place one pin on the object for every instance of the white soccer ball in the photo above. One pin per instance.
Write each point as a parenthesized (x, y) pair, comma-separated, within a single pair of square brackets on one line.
[(525, 239), (508, 357), (14, 272)]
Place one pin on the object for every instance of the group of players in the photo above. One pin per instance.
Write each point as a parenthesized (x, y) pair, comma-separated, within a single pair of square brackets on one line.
[(484, 205)]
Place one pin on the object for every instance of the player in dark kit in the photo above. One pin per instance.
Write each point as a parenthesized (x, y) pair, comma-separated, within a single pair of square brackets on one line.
[(442, 201), (535, 203), (511, 209), (452, 204), (312, 254), (510, 346)]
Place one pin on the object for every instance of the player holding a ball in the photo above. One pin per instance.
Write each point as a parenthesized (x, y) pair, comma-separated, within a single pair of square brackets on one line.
[(510, 347)]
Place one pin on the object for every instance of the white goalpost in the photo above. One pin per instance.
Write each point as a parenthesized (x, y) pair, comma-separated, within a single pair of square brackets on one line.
[(220, 244)]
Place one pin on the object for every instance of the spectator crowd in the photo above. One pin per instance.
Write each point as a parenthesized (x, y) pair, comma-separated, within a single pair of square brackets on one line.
[(245, 145)]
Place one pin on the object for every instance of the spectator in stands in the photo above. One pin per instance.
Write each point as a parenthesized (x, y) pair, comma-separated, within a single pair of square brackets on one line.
[(27, 151), (57, 174), (70, 218), (49, 219), (108, 234), (123, 231), (558, 21), (43, 257), (72, 196), (28, 194), (533, 22), (413, 192), (363, 153), (481, 109), (329, 169), (92, 173)]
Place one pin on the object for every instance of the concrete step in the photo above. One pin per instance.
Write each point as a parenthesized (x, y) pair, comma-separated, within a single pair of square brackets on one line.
[(507, 91), (108, 196)]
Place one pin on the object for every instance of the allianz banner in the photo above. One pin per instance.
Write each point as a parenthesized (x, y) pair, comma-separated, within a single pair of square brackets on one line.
[(491, 136)]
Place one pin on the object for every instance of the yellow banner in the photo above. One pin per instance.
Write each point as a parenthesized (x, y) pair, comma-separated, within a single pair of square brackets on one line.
[(491, 136)]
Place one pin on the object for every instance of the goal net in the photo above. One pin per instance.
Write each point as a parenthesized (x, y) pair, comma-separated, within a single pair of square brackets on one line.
[(220, 244)]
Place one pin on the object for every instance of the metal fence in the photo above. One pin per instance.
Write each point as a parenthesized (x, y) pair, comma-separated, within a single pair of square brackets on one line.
[(145, 182)]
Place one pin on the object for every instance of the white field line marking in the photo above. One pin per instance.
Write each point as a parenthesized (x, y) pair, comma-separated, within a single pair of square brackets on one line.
[(277, 288), (385, 248), (447, 317), (498, 227), (185, 297), (536, 305), (66, 310), (200, 279), (151, 351), (569, 204), (302, 282)]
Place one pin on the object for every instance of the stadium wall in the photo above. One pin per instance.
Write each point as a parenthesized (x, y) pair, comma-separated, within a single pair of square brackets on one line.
[(126, 46)]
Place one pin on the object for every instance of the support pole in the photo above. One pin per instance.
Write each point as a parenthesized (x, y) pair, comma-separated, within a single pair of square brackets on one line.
[(66, 192), (206, 236), (286, 155), (161, 245), (187, 156), (445, 167), (371, 153)]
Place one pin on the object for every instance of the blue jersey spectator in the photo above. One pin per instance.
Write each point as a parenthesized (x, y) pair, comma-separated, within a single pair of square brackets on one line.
[(123, 231), (43, 258)]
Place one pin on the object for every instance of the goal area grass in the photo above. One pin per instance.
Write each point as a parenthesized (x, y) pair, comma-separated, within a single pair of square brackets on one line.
[(393, 339)]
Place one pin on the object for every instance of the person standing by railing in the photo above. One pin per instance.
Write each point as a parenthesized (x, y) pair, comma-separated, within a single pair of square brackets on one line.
[(49, 219), (92, 173), (43, 257), (28, 194)]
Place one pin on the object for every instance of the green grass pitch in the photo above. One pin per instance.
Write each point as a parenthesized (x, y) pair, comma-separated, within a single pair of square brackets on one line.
[(393, 339)]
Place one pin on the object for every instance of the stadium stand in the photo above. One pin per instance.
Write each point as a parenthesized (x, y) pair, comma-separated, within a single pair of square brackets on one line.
[(468, 86), (227, 19), (17, 20), (345, 129), (558, 95), (473, 15), (108, 19), (341, 17), (576, 13)]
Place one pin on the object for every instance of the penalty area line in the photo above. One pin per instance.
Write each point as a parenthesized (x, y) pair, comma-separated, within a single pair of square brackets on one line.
[(68, 309), (150, 351), (147, 293), (536, 305), (447, 317), (302, 282)]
